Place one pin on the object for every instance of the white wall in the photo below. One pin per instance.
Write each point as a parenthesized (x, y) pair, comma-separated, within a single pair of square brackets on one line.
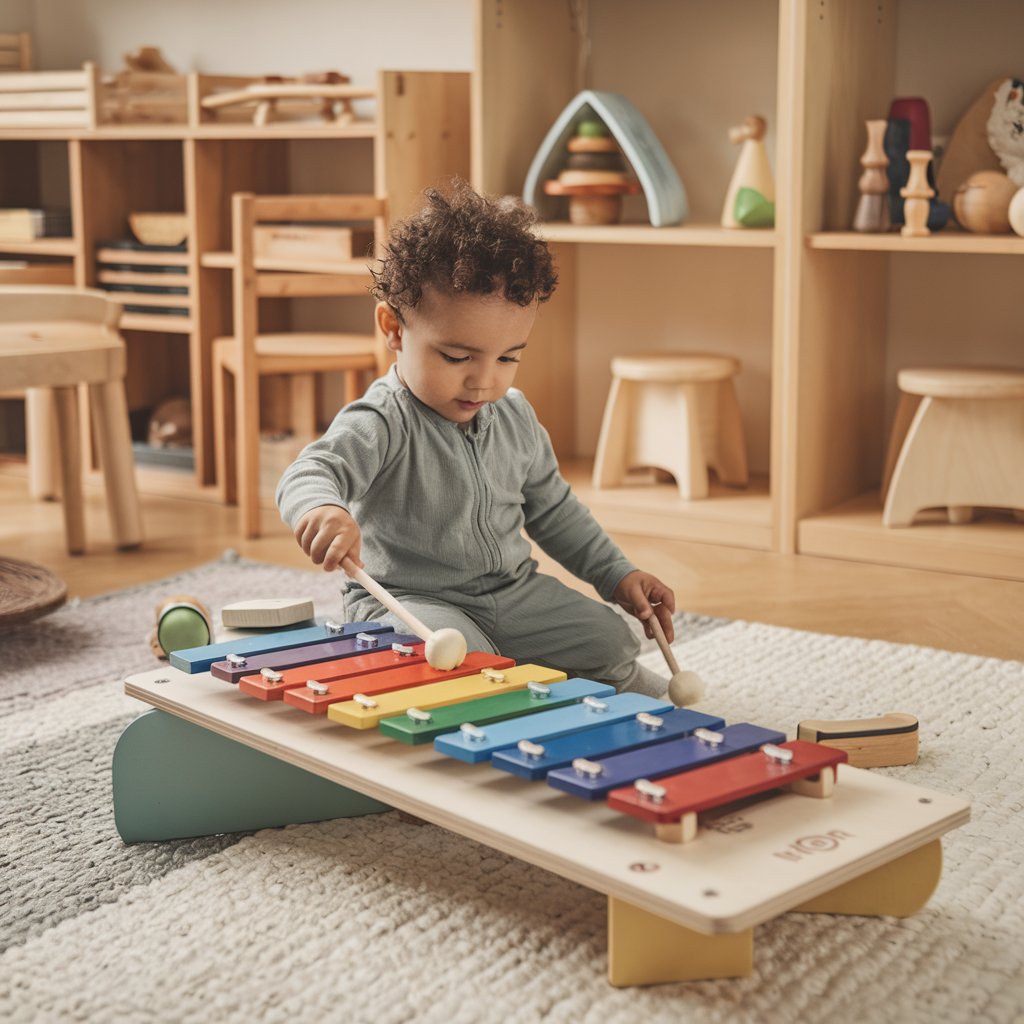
[(357, 37)]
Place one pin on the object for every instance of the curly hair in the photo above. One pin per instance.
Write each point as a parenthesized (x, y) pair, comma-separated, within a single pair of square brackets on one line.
[(461, 242)]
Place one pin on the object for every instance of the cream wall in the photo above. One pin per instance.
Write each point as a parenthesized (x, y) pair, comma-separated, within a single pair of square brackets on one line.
[(256, 36)]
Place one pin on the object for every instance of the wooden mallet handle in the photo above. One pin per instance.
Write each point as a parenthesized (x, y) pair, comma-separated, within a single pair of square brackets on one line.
[(387, 599), (659, 635)]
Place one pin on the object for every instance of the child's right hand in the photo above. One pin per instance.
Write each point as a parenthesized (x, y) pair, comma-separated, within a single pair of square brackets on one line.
[(328, 534)]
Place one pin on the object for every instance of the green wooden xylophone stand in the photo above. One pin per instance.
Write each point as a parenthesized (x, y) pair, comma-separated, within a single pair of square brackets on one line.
[(212, 760)]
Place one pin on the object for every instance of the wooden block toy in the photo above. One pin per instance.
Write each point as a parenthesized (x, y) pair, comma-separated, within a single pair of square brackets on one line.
[(268, 612), (354, 657), (201, 658), (473, 743), (593, 780), (231, 671), (750, 199), (317, 697), (532, 760), (881, 742), (674, 801), (425, 726), (982, 202), (367, 712)]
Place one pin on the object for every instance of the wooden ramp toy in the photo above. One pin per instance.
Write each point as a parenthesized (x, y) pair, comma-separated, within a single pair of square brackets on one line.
[(473, 743), (532, 760), (418, 726), (269, 684), (316, 697), (594, 780), (200, 659), (673, 802), (363, 712), (235, 666), (881, 742)]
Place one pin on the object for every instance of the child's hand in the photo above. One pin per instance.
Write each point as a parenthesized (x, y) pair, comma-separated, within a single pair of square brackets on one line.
[(644, 595), (328, 534)]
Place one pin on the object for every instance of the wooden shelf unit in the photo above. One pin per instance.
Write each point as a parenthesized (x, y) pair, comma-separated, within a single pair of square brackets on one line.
[(418, 137), (821, 317)]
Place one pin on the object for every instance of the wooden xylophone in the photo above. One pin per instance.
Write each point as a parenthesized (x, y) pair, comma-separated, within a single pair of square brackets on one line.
[(357, 704)]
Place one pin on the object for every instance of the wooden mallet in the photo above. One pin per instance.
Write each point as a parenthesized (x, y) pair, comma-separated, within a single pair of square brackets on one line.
[(684, 687), (446, 648)]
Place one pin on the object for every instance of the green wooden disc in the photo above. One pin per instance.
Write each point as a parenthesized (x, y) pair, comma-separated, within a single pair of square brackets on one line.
[(182, 628), (753, 210), (592, 129)]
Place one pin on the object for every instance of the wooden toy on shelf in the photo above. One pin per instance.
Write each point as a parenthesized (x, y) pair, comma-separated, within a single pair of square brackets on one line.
[(916, 194), (750, 199), (1015, 212), (882, 742), (872, 213), (969, 149), (326, 94), (147, 91), (595, 176), (982, 203), (909, 129), (628, 131), (159, 228), (675, 913)]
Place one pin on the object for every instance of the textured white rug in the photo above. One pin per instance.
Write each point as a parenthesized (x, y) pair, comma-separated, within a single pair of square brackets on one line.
[(340, 922)]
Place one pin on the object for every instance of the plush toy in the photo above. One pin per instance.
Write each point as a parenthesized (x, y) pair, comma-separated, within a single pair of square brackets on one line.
[(1005, 128)]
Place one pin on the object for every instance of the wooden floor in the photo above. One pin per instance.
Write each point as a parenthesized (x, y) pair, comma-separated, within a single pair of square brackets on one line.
[(961, 613)]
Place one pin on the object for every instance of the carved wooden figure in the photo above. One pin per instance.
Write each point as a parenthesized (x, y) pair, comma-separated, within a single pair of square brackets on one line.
[(916, 194), (872, 212)]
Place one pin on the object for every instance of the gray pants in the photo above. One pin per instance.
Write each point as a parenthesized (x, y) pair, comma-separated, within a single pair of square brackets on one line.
[(535, 619)]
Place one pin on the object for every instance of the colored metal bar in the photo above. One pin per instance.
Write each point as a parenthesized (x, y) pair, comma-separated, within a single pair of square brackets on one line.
[(479, 743), (358, 662), (449, 691), (485, 710), (674, 756), (305, 699), (618, 737), (200, 659)]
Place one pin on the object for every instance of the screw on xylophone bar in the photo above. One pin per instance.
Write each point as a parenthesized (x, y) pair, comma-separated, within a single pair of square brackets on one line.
[(777, 754), (364, 702), (236, 661), (534, 751), (492, 676), (271, 675), (595, 705), (366, 640), (586, 769), (472, 732), (405, 650), (318, 687), (334, 628), (540, 691), (418, 715), (709, 736), (649, 721)]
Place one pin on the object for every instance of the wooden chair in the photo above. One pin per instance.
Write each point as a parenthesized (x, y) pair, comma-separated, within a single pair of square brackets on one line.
[(52, 340), (241, 360)]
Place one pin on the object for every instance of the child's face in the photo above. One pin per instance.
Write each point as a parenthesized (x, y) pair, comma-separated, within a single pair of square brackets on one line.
[(458, 352)]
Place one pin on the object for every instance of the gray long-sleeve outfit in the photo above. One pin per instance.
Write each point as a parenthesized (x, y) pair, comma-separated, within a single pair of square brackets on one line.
[(441, 510)]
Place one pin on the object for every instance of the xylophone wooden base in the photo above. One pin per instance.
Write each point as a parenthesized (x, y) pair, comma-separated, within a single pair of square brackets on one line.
[(675, 912)]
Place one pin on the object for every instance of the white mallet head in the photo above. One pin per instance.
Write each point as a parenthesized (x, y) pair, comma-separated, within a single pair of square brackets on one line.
[(446, 649), (685, 688)]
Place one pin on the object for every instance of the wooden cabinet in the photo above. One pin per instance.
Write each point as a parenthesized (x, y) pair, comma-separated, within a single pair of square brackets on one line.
[(418, 135), (821, 318)]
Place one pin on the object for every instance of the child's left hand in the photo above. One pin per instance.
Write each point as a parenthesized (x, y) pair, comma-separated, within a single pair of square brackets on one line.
[(644, 595)]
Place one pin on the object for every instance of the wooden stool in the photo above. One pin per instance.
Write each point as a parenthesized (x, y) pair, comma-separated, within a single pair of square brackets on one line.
[(59, 338), (676, 412), (957, 442)]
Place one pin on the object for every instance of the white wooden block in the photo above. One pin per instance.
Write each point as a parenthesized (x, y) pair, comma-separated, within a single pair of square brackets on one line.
[(267, 612)]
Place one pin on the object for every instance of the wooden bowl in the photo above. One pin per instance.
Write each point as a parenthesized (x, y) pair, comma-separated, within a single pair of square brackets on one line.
[(27, 591), (159, 228)]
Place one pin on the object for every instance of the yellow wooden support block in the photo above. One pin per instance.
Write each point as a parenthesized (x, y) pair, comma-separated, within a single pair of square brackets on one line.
[(367, 713), (644, 949), (897, 889)]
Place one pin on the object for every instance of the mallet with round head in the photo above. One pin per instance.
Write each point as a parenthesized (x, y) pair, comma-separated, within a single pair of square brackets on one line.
[(684, 687), (446, 648)]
